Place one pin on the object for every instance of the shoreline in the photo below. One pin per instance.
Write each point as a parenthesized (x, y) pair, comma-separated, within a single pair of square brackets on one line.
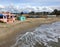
[(9, 37)]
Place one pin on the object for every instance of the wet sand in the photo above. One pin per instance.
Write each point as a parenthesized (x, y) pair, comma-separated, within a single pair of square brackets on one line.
[(9, 38)]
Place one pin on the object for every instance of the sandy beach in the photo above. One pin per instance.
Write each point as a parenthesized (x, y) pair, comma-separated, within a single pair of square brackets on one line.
[(9, 33)]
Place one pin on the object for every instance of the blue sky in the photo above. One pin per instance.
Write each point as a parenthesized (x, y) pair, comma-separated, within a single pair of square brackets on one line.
[(31, 2)]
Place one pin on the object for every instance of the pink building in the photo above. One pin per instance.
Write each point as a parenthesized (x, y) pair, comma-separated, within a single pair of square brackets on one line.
[(7, 17)]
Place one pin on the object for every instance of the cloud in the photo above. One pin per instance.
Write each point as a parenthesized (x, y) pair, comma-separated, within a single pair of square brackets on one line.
[(1, 6), (32, 2), (40, 2)]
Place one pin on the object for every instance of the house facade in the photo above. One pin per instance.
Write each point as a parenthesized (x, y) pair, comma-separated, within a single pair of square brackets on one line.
[(7, 17)]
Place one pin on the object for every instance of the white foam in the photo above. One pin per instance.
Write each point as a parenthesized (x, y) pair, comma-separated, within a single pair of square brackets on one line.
[(43, 34)]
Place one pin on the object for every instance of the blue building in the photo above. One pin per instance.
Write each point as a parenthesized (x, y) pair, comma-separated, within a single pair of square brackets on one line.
[(22, 18)]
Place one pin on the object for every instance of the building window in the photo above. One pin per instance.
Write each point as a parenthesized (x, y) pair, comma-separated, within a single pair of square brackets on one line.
[(4, 16), (11, 16), (7, 16)]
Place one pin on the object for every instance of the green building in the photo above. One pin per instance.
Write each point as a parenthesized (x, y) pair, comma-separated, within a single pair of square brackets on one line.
[(22, 18)]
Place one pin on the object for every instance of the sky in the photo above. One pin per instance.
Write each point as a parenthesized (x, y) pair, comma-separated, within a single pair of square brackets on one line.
[(30, 2)]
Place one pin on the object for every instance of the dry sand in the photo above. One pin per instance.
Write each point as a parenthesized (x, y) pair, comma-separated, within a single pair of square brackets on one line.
[(9, 33)]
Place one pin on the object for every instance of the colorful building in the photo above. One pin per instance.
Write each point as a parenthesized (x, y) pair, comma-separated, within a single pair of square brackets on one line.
[(7, 17), (22, 18)]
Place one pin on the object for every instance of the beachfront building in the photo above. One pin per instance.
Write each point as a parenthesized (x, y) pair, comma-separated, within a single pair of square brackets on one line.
[(22, 18), (7, 17), (51, 16)]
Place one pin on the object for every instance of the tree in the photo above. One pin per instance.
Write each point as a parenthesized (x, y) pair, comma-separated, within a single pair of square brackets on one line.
[(55, 11), (22, 13), (32, 12)]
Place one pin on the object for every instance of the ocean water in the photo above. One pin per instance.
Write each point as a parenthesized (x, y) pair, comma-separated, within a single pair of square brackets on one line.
[(47, 35)]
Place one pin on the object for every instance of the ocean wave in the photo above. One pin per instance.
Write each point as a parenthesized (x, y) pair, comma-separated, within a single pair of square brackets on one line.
[(46, 35)]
